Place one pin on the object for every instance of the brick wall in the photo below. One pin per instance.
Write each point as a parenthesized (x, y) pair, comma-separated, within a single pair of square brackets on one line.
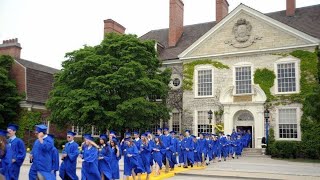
[(18, 73)]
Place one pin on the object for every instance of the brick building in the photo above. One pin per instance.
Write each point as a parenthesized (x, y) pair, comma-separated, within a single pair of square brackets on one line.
[(243, 41)]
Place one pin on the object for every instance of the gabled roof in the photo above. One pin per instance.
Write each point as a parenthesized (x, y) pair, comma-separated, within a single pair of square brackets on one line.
[(36, 66), (306, 19)]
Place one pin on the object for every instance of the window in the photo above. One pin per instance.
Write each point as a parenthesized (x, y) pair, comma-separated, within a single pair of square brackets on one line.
[(86, 129), (286, 77), (243, 80), (203, 123), (205, 82), (176, 82), (154, 127), (288, 124), (176, 122)]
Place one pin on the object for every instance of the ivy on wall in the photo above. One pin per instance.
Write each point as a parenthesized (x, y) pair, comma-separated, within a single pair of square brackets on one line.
[(188, 71), (308, 78), (265, 78), (26, 121)]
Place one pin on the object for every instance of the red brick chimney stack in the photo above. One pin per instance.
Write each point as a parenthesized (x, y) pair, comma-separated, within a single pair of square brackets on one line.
[(175, 22), (112, 26), (222, 8), (291, 7), (11, 47)]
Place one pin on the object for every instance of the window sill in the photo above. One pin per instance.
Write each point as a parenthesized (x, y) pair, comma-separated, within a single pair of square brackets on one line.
[(286, 93), (288, 139), (202, 97), (249, 94)]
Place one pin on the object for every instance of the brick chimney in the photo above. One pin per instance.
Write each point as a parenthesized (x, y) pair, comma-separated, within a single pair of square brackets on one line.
[(222, 8), (11, 47), (112, 26), (175, 22), (291, 7)]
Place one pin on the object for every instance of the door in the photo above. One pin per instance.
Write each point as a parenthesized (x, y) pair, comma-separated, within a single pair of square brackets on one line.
[(245, 129)]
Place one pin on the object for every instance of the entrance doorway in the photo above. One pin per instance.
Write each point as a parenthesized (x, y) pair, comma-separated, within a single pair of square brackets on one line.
[(245, 129)]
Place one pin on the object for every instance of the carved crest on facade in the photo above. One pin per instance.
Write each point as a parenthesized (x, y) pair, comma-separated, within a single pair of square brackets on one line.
[(242, 34)]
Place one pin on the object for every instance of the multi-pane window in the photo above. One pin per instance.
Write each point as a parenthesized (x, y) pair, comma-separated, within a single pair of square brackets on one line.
[(176, 122), (203, 123), (286, 77), (288, 126), (204, 82), (154, 127), (243, 80)]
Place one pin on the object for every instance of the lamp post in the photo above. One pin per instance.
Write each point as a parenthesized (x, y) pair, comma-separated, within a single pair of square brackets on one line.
[(266, 117), (210, 119)]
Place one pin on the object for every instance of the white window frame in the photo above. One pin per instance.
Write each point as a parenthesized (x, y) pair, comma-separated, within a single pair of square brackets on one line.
[(298, 113), (195, 80), (287, 60), (171, 121), (196, 121), (242, 64)]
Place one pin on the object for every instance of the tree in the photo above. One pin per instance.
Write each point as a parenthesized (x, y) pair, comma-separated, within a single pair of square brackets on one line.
[(111, 85), (9, 96)]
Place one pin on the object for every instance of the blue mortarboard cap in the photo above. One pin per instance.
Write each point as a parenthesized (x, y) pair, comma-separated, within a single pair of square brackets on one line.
[(3, 132), (203, 134), (172, 132), (188, 131), (135, 132), (70, 133), (157, 136), (88, 136), (159, 129), (128, 134), (115, 140), (180, 134), (193, 136), (13, 127), (41, 128), (113, 133), (103, 136), (148, 132), (165, 129), (51, 135), (228, 134), (127, 139), (145, 135)]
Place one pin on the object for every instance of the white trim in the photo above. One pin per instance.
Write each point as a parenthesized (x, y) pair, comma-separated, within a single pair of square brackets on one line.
[(253, 12), (258, 51), (242, 64), (298, 113), (195, 79), (195, 122), (168, 62), (297, 73)]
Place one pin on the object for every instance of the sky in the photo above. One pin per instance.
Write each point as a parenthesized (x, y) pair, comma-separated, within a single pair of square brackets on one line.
[(47, 29)]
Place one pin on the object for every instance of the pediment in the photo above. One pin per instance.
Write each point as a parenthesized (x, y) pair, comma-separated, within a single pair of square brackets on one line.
[(247, 30)]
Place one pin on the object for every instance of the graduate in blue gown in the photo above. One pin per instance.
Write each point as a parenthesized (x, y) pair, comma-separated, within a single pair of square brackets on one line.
[(202, 148), (234, 135), (238, 146), (215, 148), (89, 160), (41, 155), (145, 152), (196, 150), (123, 147), (115, 157), (179, 150), (166, 139), (69, 157), (55, 158), (104, 163), (137, 142), (172, 150), (151, 142), (157, 153), (209, 147), (5, 156), (132, 153), (18, 151), (224, 146), (187, 150)]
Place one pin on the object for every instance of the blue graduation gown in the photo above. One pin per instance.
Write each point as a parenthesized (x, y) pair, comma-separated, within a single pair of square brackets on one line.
[(151, 144), (42, 159), (55, 160), (234, 135), (69, 163), (171, 152), (157, 153), (133, 161), (115, 172), (179, 150), (5, 164), (105, 163), (138, 143), (224, 144), (90, 169), (209, 147), (196, 152), (19, 154), (238, 147), (145, 152), (202, 149), (187, 149)]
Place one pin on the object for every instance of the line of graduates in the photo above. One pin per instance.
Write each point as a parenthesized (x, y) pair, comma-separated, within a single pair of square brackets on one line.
[(141, 153)]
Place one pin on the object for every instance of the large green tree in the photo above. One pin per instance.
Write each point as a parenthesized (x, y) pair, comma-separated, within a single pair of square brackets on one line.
[(9, 96), (111, 85)]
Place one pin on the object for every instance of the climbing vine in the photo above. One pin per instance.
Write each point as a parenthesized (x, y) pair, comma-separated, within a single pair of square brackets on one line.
[(188, 71), (26, 121), (265, 78)]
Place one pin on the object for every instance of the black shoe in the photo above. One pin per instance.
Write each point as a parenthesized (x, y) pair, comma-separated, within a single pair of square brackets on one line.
[(207, 164), (191, 165), (224, 159), (185, 166), (232, 157)]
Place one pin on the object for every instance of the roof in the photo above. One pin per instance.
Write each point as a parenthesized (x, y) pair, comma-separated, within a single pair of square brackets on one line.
[(306, 19), (36, 66)]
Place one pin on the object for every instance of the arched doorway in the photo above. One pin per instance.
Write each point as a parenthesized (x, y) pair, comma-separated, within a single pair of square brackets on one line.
[(244, 121)]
